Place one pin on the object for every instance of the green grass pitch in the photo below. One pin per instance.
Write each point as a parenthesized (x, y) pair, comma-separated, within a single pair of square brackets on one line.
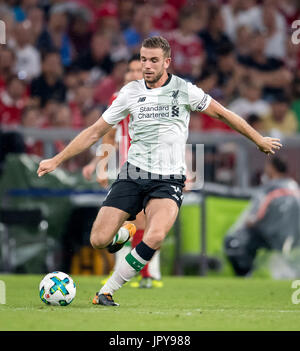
[(184, 303)]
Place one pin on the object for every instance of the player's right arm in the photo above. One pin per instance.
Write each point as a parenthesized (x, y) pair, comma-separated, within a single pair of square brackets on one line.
[(89, 136), (81, 142)]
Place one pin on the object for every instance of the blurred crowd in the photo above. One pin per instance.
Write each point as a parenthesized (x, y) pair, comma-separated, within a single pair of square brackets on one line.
[(63, 60)]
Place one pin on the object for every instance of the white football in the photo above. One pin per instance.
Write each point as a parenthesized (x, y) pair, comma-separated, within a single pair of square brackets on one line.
[(57, 289)]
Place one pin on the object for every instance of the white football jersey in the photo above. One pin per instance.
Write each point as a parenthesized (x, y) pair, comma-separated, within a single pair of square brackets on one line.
[(159, 120)]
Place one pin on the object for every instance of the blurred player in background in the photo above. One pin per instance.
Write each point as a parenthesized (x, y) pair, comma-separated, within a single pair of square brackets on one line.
[(119, 137), (272, 221)]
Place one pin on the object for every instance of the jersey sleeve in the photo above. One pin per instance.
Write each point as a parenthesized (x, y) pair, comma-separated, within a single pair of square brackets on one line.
[(198, 100), (118, 110)]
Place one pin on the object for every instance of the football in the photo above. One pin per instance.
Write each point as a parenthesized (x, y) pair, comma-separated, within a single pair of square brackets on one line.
[(57, 289)]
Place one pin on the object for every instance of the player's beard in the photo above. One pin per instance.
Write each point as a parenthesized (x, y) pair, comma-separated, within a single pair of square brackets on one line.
[(155, 78)]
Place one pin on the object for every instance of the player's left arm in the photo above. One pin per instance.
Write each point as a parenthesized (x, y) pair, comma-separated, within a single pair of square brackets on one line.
[(265, 144)]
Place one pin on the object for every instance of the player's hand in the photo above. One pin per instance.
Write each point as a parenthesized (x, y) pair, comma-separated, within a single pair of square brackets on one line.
[(47, 166), (268, 145), (88, 170)]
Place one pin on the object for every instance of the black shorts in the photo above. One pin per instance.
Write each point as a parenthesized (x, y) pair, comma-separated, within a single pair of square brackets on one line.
[(134, 187)]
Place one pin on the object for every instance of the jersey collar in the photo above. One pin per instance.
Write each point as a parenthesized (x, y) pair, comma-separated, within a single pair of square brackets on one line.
[(165, 83)]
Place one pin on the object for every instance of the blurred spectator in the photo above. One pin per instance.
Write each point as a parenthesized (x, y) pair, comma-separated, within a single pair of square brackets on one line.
[(71, 81), (213, 37), (21, 10), (296, 99), (83, 100), (256, 122), (281, 120), (28, 62), (91, 115), (7, 64), (250, 101), (49, 85), (238, 13), (195, 124), (164, 16), (230, 72), (140, 28), (12, 101), (97, 58), (208, 81), (55, 37), (111, 83), (290, 9), (266, 71), (177, 4), (187, 49), (94, 7), (109, 25), (273, 25), (48, 112), (36, 17), (201, 9), (292, 58), (63, 117), (80, 32), (271, 222), (244, 36), (31, 118), (230, 13), (126, 11)]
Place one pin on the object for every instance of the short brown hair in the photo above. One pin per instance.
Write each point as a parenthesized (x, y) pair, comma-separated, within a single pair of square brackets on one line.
[(158, 42)]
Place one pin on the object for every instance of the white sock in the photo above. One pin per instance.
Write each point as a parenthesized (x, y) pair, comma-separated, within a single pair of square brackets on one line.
[(154, 266), (127, 269), (121, 236), (120, 255)]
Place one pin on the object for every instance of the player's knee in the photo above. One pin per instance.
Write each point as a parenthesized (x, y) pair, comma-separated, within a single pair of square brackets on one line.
[(98, 241), (154, 238)]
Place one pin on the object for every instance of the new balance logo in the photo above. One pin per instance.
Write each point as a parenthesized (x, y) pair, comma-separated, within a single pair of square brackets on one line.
[(175, 111), (142, 99)]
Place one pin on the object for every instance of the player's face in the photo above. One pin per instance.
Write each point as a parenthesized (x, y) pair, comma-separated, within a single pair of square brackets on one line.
[(154, 64), (135, 70)]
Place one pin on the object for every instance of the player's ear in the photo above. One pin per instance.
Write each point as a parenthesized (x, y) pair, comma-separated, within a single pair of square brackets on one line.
[(167, 62)]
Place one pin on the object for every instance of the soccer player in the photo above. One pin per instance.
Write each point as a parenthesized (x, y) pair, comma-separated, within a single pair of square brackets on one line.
[(153, 177), (150, 274)]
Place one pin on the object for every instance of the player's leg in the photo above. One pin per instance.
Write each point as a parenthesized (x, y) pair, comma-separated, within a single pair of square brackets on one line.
[(160, 217), (126, 198), (140, 223), (161, 214), (122, 203), (150, 274), (107, 223)]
